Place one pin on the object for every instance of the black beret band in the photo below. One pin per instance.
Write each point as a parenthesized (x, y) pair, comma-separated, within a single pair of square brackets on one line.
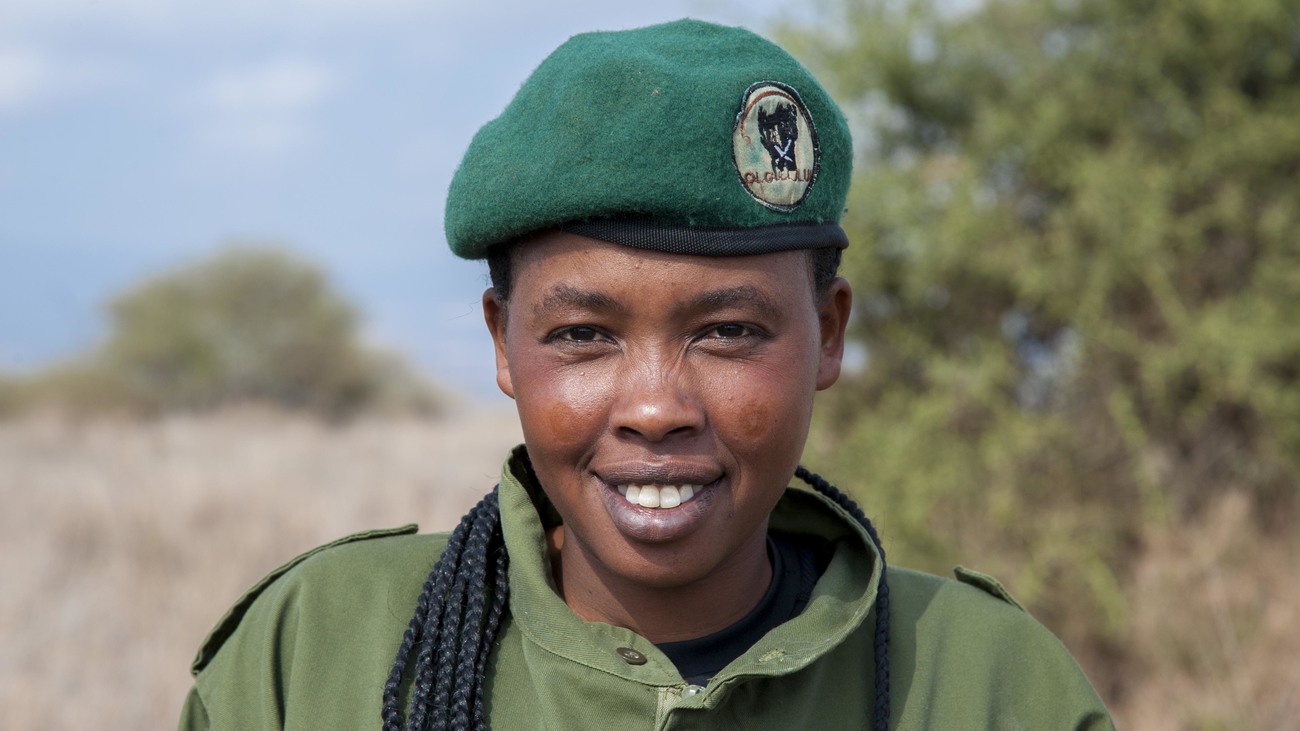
[(644, 233)]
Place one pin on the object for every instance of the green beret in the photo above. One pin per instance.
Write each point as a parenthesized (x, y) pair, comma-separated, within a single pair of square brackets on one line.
[(687, 137)]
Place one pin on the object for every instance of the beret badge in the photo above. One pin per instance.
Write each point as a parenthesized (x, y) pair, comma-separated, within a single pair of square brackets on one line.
[(774, 145)]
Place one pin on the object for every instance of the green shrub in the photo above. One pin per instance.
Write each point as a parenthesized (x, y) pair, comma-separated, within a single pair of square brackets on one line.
[(1077, 276), (249, 324)]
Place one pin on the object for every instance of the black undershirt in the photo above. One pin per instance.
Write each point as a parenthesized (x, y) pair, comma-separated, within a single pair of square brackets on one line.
[(795, 569)]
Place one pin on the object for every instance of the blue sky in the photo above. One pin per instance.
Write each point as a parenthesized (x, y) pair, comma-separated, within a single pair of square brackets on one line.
[(136, 135)]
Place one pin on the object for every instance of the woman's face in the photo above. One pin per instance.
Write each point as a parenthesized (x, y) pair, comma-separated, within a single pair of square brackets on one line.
[(665, 399)]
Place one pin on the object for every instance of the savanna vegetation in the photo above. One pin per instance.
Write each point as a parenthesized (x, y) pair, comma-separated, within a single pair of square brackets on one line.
[(232, 418), (247, 324), (1077, 271)]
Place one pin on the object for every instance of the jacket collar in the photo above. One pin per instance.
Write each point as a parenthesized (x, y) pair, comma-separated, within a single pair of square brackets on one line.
[(840, 602)]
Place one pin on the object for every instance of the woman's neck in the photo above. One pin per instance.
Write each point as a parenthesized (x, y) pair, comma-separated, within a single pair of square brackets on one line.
[(662, 612)]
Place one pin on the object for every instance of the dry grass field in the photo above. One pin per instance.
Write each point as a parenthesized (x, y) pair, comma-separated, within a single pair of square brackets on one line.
[(122, 542)]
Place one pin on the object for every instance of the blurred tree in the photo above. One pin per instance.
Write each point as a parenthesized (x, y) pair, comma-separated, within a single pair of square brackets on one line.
[(248, 324), (1077, 267)]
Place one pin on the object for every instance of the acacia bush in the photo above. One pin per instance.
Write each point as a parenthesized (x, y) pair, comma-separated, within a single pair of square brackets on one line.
[(1077, 276), (248, 324)]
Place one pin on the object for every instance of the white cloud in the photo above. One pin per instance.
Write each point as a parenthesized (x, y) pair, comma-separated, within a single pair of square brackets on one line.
[(443, 21), (284, 86), (266, 109), (169, 16), (25, 76), (30, 78)]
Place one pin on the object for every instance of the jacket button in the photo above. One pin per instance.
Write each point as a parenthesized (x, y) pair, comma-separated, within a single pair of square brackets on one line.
[(630, 656)]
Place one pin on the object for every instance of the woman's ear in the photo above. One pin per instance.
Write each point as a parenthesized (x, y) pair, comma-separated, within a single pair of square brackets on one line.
[(494, 314), (833, 316)]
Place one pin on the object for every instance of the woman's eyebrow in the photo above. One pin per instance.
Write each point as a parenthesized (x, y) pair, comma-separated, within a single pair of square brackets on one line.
[(563, 296), (567, 297), (741, 296)]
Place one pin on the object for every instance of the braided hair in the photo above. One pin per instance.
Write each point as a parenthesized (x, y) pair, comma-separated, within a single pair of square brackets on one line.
[(456, 621), (459, 612), (880, 640)]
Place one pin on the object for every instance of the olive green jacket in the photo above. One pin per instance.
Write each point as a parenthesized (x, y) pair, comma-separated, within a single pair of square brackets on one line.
[(311, 646)]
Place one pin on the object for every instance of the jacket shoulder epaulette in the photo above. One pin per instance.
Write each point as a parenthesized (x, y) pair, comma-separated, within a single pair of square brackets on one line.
[(987, 583), (226, 626)]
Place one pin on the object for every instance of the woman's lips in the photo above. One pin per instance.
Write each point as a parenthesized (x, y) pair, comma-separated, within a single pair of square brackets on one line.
[(655, 512), (641, 473)]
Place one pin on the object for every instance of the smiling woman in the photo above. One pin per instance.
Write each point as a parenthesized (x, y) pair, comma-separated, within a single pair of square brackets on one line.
[(660, 211), (648, 374)]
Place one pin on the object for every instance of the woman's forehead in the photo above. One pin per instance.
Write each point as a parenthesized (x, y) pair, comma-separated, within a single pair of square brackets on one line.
[(560, 255)]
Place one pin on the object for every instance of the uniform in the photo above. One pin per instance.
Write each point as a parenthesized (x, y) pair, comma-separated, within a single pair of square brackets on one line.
[(310, 646)]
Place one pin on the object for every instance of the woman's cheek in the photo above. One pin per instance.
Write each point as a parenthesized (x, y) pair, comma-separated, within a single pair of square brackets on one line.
[(755, 420), (562, 408), (760, 408)]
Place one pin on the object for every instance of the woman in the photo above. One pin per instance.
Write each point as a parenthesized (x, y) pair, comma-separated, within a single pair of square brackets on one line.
[(659, 209)]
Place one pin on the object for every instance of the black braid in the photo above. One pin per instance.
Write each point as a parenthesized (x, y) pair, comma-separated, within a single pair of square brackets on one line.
[(446, 571), (497, 609), (881, 639), (456, 620), (433, 586), (459, 650)]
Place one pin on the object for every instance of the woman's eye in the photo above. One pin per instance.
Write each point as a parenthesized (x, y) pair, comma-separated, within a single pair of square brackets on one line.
[(579, 334), (730, 330)]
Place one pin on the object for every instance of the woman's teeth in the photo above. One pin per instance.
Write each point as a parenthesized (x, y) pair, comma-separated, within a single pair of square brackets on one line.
[(658, 496)]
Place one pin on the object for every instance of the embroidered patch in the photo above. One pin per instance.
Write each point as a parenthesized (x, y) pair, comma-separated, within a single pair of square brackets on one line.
[(775, 146)]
